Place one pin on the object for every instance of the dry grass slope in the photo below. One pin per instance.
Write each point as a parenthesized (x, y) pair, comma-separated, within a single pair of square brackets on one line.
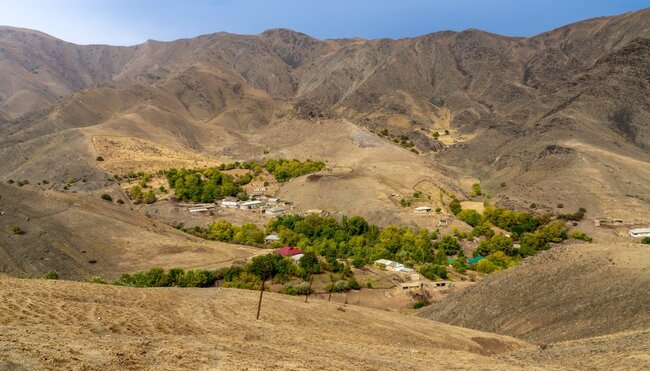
[(56, 325), (569, 292)]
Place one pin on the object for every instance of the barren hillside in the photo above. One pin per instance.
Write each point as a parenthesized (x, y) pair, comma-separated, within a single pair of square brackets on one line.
[(570, 292), (81, 237)]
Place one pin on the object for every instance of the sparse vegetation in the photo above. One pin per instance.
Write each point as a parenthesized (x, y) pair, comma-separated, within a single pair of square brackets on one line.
[(17, 230), (51, 275), (476, 190), (419, 304), (580, 235)]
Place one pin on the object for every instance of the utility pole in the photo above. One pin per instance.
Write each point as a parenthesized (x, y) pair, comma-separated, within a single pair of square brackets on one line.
[(259, 305), (311, 280)]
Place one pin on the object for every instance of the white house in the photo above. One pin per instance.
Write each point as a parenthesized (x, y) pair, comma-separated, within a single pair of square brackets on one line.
[(251, 204), (275, 211), (296, 258), (423, 209), (394, 266), (196, 210), (272, 238), (230, 202), (640, 232)]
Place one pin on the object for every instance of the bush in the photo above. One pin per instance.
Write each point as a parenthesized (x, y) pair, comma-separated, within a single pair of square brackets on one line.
[(338, 286), (300, 289), (560, 206), (107, 197), (455, 207), (97, 280), (120, 202), (486, 266), (353, 284), (369, 285), (460, 264), (645, 240), (358, 262), (100, 158), (431, 271), (51, 275), (17, 230), (476, 189), (419, 304), (580, 235)]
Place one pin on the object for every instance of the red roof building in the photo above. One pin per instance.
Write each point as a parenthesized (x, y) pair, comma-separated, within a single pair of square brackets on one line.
[(288, 251)]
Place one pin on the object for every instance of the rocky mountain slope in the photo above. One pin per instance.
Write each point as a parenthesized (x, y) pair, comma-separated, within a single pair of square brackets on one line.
[(571, 102)]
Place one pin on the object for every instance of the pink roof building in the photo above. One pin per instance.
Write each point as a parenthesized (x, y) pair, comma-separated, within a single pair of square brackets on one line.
[(288, 251)]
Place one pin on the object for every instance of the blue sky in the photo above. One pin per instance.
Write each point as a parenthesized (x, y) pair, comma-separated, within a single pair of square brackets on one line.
[(128, 22)]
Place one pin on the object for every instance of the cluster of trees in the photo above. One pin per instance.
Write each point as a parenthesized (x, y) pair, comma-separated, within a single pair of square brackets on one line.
[(176, 277), (246, 234), (205, 185), (360, 241), (283, 170), (138, 196), (516, 222), (496, 262)]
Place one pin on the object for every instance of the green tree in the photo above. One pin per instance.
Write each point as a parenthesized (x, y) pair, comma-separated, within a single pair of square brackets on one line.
[(455, 207), (221, 231), (460, 264), (471, 217), (265, 268)]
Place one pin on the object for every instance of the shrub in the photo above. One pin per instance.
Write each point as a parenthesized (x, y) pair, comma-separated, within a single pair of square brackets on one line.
[(338, 286), (100, 158), (486, 266), (476, 189), (10, 181), (120, 202), (646, 240), (51, 275), (560, 206), (17, 230), (97, 280), (358, 262), (107, 197), (299, 289), (369, 285), (419, 304), (431, 271), (460, 264), (353, 284), (455, 207), (580, 235), (553, 232)]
